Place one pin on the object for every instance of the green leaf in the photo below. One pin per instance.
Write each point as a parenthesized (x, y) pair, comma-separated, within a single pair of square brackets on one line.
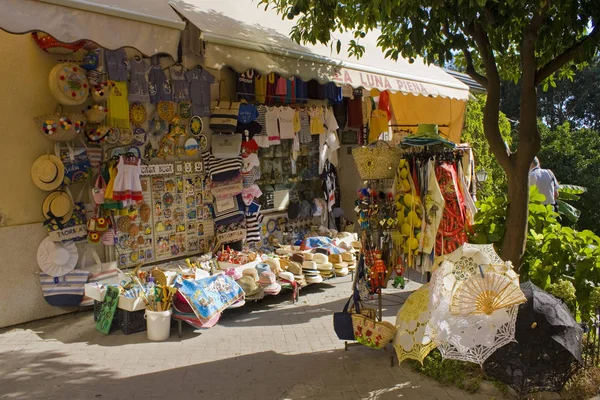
[(571, 189), (338, 46), (568, 210)]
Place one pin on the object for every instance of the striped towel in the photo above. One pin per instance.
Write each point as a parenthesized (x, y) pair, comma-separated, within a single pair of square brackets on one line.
[(95, 156), (221, 169)]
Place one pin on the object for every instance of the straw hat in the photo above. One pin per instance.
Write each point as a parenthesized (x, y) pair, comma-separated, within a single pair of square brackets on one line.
[(58, 205), (288, 276), (320, 258), (348, 257), (249, 286), (268, 281), (342, 271), (325, 266), (251, 272), (47, 172), (262, 267), (57, 259), (308, 256), (294, 268), (298, 257), (314, 279), (68, 84), (335, 258), (274, 264)]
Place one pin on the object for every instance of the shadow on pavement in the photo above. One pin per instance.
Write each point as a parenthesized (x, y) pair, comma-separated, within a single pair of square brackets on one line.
[(265, 375)]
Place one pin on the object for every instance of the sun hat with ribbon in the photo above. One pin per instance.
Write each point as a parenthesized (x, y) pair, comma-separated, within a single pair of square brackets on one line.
[(57, 259), (262, 267), (288, 276), (268, 281), (48, 172), (57, 207)]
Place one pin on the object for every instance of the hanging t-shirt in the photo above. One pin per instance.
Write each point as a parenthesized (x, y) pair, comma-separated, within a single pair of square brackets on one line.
[(247, 113), (355, 117), (297, 125), (116, 66), (301, 91), (384, 103), (330, 120), (290, 96), (260, 88), (252, 128), (379, 124), (271, 86), (200, 80), (340, 110), (245, 85), (271, 123), (159, 86), (304, 134), (281, 89), (286, 122), (179, 86), (312, 88), (333, 93)]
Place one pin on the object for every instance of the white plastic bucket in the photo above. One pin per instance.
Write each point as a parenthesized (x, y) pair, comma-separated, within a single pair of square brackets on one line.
[(158, 325)]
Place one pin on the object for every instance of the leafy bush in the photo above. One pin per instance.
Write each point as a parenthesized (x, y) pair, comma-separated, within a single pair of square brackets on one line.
[(553, 253), (464, 375)]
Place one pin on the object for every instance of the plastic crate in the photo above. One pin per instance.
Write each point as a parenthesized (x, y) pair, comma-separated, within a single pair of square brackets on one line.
[(128, 321)]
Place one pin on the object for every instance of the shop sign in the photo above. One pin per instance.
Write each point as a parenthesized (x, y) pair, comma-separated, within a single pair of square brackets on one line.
[(70, 233), (157, 169), (367, 80)]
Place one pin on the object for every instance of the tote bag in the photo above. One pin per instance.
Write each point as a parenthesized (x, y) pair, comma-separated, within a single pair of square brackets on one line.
[(226, 146), (66, 290)]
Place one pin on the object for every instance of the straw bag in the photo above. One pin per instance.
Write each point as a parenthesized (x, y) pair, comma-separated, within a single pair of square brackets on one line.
[(68, 84), (372, 333), (60, 126), (95, 114), (378, 161)]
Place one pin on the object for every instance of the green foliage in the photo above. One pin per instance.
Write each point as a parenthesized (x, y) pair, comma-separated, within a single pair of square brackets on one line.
[(484, 159), (435, 30), (553, 252), (574, 155), (464, 375), (565, 290)]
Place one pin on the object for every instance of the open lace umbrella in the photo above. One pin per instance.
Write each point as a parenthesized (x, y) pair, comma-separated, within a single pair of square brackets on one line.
[(471, 337), (412, 339), (472, 301), (547, 351), (486, 293)]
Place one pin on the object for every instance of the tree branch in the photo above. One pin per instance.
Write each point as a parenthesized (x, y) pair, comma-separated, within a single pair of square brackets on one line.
[(482, 80), (569, 54)]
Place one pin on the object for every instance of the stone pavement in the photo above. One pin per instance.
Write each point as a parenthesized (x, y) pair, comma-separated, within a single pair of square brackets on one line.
[(271, 349)]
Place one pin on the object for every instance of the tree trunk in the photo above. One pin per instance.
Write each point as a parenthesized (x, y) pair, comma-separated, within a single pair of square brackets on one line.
[(513, 245), (515, 235)]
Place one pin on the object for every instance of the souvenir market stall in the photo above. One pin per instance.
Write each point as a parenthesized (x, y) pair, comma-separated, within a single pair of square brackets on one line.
[(196, 166)]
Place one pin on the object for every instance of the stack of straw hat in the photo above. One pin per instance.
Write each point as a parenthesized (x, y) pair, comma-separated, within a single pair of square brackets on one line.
[(324, 267), (309, 269), (268, 281), (340, 267), (349, 259)]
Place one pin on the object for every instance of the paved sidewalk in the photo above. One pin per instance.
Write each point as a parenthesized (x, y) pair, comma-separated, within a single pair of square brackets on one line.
[(272, 349)]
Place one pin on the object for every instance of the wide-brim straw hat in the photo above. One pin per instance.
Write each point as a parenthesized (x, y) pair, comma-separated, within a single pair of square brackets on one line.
[(48, 172), (314, 279), (57, 259), (58, 205), (251, 272), (325, 267), (288, 276)]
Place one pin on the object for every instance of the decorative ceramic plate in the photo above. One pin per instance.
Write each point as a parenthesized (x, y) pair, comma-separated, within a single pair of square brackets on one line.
[(196, 126), (125, 136), (191, 147), (137, 114), (202, 142), (185, 109), (168, 199), (113, 136), (140, 136)]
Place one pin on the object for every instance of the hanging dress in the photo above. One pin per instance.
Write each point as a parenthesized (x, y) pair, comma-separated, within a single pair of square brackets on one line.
[(127, 186), (316, 121)]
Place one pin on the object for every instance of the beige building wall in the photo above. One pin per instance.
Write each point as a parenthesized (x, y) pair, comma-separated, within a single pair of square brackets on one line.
[(24, 70)]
